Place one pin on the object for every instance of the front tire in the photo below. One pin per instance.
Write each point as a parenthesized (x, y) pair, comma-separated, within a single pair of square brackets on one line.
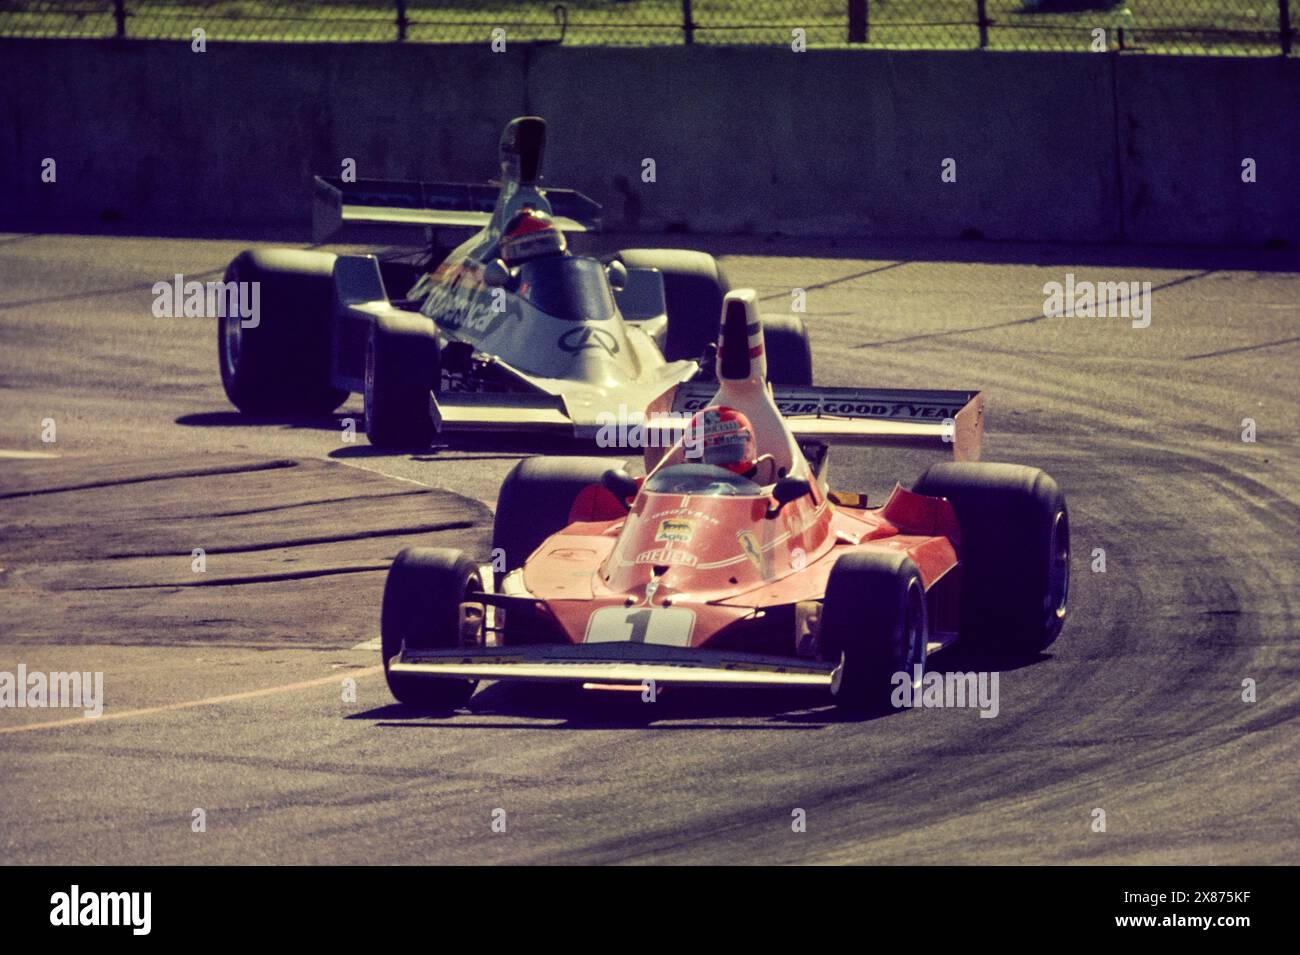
[(401, 369), (422, 597), (875, 625), (1015, 552), (278, 361)]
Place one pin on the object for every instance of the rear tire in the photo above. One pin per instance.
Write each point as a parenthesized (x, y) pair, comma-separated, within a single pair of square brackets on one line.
[(535, 500), (401, 367), (422, 598), (874, 624), (1015, 552), (789, 355), (694, 286), (282, 364)]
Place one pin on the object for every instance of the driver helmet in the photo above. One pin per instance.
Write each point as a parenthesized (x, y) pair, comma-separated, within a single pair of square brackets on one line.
[(726, 439), (530, 234)]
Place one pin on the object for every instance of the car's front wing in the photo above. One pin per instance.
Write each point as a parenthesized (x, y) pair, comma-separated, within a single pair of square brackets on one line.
[(618, 663)]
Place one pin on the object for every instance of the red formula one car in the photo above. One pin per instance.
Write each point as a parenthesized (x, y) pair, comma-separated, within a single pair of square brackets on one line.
[(757, 575)]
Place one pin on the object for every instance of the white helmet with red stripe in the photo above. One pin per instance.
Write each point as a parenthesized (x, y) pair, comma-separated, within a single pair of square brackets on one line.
[(726, 439), (530, 234)]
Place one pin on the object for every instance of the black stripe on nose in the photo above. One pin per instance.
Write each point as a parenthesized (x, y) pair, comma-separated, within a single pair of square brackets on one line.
[(733, 350)]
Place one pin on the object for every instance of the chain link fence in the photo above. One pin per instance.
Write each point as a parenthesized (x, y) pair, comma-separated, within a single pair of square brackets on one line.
[(1218, 27)]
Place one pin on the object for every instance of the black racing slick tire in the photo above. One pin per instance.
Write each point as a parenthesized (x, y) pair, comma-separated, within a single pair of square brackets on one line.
[(535, 500), (694, 286), (278, 361), (789, 355), (401, 369), (874, 625), (1015, 552), (422, 597)]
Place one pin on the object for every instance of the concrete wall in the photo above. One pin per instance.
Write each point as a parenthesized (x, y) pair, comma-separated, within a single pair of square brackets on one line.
[(756, 140), (745, 140), (160, 136), (1185, 125)]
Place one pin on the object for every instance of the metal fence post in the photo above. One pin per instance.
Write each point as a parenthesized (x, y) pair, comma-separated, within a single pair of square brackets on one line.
[(1284, 25), (857, 21), (402, 22), (119, 14), (981, 17), (688, 23)]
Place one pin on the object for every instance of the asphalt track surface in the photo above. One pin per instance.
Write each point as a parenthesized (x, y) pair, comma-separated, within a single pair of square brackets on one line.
[(227, 698)]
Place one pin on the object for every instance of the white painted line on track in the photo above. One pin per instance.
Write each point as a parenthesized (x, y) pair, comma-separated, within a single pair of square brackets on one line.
[(187, 704)]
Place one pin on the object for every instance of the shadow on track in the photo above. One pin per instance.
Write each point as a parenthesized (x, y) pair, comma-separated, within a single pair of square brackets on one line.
[(675, 708), (489, 446), (478, 446), (237, 419), (578, 709)]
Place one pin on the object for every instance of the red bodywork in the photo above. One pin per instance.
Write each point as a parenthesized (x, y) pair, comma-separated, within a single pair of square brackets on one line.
[(741, 573)]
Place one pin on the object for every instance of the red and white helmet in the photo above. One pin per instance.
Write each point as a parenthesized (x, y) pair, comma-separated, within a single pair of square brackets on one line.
[(530, 234), (726, 439)]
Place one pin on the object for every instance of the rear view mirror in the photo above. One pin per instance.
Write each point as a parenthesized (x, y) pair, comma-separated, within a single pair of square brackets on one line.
[(619, 483), (642, 296), (496, 274), (616, 273), (787, 490)]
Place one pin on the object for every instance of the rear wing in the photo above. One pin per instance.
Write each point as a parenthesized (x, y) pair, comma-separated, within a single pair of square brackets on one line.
[(864, 416), (336, 203)]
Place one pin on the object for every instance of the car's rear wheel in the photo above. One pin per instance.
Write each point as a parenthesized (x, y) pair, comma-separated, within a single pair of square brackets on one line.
[(789, 355), (694, 286), (535, 500), (401, 369), (277, 361), (1015, 552), (874, 625), (423, 594)]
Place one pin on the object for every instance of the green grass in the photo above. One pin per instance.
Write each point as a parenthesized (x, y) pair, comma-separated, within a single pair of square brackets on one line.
[(1237, 27)]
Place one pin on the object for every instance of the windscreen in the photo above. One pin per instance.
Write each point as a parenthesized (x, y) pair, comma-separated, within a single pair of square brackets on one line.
[(567, 287), (701, 479)]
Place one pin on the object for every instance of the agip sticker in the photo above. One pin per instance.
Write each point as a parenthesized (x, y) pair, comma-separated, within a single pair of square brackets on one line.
[(675, 531)]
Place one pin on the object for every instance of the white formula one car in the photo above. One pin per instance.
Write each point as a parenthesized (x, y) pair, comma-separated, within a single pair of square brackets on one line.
[(508, 332)]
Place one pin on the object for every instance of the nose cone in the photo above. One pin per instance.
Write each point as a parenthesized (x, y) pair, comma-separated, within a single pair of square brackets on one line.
[(740, 341)]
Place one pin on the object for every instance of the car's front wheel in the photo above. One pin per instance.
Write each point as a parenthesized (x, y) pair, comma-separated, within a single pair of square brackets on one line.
[(875, 627), (401, 371), (422, 609)]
